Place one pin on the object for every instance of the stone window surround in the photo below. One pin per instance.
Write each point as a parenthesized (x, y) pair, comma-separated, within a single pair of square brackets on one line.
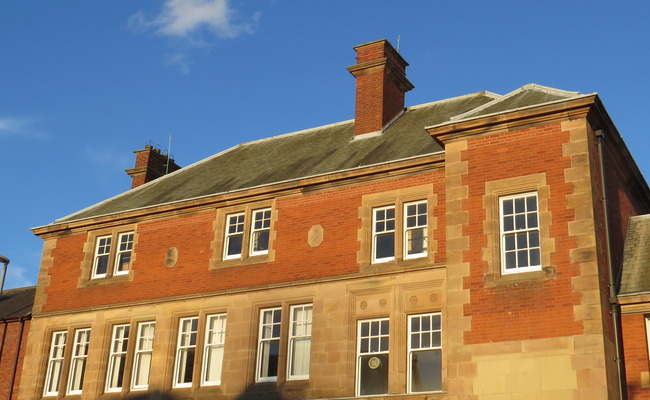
[(220, 225), (89, 256), (395, 198), (285, 306), (494, 190)]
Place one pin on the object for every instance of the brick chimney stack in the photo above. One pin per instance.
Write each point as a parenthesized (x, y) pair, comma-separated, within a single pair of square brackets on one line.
[(150, 165), (381, 83)]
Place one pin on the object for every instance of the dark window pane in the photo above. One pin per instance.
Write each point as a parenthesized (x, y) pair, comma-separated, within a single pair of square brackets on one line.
[(510, 260), (436, 321), (510, 242), (531, 203), (522, 240), (261, 241), (520, 221), (532, 220), (535, 257), (426, 371), (415, 341), (373, 375), (508, 224), (384, 343), (522, 258), (507, 207), (533, 239), (385, 245), (234, 245), (102, 265), (520, 205)]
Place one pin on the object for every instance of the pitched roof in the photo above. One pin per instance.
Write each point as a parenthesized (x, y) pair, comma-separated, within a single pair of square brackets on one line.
[(317, 151), (17, 302), (635, 276)]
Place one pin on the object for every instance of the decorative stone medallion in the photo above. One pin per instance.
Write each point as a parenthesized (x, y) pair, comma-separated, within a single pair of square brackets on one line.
[(315, 236), (171, 257)]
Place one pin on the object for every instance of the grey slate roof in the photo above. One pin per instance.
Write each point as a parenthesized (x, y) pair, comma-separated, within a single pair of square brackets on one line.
[(17, 302), (635, 276), (317, 151)]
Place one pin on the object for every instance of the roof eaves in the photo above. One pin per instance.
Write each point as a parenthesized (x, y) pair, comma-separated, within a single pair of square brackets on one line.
[(347, 170)]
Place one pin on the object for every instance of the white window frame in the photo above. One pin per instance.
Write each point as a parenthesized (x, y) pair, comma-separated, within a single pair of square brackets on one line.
[(515, 232), (386, 230), (188, 331), (143, 348), (427, 339), (382, 342), (55, 363), (213, 348), (239, 223), (300, 327), (117, 353), (416, 221), (268, 334), (103, 246), (123, 240), (78, 361), (264, 226)]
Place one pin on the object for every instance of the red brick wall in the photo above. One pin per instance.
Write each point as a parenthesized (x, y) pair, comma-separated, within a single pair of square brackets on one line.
[(526, 310), (10, 331), (336, 210), (635, 347)]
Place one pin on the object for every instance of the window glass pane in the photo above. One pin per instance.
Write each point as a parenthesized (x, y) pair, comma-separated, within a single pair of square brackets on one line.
[(260, 231), (426, 367), (186, 349), (535, 257), (520, 205), (373, 374), (385, 246)]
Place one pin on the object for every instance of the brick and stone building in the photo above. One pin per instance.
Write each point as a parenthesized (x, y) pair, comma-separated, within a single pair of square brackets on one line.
[(461, 249), (15, 317)]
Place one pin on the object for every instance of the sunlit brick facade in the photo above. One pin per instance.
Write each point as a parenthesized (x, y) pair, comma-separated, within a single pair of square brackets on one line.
[(453, 250)]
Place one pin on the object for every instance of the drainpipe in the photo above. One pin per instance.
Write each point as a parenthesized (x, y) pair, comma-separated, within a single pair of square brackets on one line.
[(613, 301)]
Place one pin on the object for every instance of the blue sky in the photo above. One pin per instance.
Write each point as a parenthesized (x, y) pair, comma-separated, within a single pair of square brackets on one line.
[(84, 83)]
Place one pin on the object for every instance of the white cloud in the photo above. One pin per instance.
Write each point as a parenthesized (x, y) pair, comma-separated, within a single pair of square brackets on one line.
[(18, 127), (180, 61), (10, 125), (184, 18)]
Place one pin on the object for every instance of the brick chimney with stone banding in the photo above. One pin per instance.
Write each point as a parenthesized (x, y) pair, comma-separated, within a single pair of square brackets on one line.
[(381, 83), (150, 165)]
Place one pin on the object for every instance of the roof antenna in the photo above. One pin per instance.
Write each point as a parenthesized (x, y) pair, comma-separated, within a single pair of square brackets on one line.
[(169, 154), (398, 43)]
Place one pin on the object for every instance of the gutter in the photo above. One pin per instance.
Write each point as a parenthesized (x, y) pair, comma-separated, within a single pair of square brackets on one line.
[(613, 301)]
